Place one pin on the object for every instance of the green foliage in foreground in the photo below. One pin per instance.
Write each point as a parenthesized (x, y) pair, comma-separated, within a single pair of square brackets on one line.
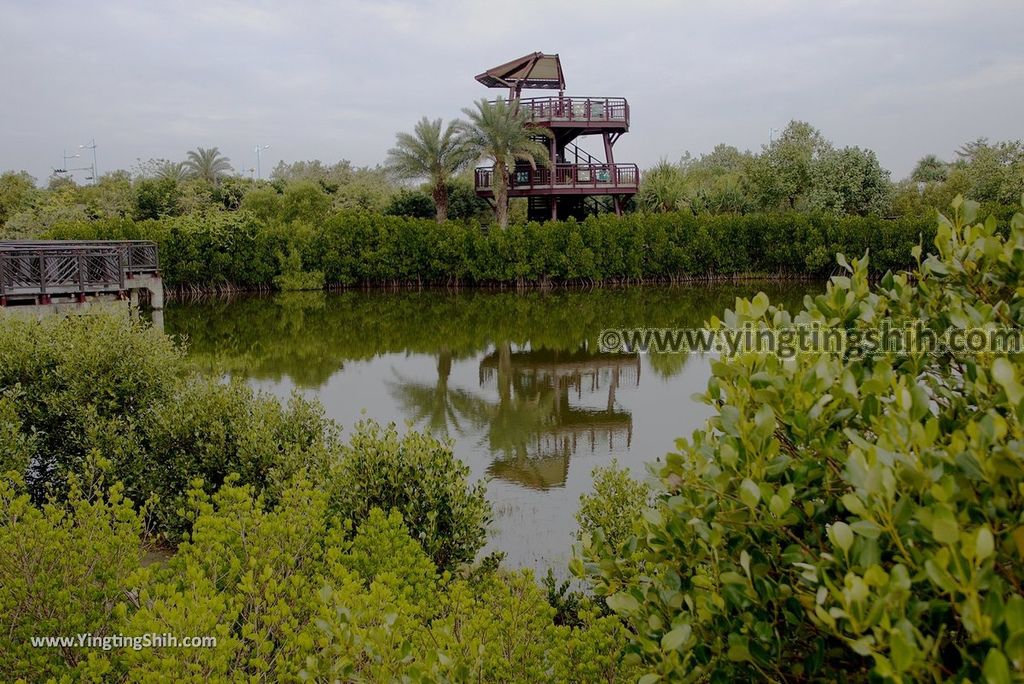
[(353, 249), (291, 593), (845, 519), (100, 396)]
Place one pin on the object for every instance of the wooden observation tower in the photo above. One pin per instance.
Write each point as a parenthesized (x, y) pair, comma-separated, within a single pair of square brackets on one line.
[(573, 177)]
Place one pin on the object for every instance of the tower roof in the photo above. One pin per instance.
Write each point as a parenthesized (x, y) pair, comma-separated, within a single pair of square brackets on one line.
[(535, 70)]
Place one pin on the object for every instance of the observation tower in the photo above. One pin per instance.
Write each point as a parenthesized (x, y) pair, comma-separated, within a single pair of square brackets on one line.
[(573, 177)]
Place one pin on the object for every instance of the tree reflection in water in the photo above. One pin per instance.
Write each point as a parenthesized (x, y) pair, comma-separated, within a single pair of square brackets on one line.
[(543, 391)]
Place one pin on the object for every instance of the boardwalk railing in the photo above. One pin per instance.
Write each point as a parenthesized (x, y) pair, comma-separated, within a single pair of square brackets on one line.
[(40, 269)]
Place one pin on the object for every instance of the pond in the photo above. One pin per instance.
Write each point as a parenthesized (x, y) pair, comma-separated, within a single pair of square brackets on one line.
[(515, 379)]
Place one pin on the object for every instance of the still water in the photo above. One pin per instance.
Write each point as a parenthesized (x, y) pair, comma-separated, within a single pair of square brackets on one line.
[(515, 379)]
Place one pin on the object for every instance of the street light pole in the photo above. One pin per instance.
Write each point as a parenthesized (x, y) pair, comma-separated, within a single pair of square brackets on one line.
[(66, 158), (95, 168), (259, 149)]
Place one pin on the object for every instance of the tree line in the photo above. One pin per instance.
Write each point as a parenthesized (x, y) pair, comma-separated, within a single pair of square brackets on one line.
[(313, 247), (799, 172), (802, 171)]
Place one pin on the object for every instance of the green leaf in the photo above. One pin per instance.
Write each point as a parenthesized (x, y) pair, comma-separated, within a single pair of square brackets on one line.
[(758, 305), (1005, 374), (945, 528), (676, 638), (841, 535), (984, 544), (901, 650), (996, 668), (623, 603), (750, 493)]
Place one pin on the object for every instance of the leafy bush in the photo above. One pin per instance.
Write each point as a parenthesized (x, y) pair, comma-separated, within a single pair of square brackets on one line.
[(210, 430), (96, 394), (63, 571), (299, 281), (79, 385), (616, 503), (419, 477), (846, 518), (288, 591)]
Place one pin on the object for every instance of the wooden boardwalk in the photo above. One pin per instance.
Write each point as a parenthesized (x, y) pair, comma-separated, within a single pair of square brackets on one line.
[(45, 272)]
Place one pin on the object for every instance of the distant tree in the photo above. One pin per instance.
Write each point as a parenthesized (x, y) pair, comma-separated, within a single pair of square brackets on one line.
[(155, 197), (781, 176), (367, 189), (930, 169), (168, 170), (502, 132), (724, 159), (331, 177), (849, 181), (305, 201), (414, 203), (60, 181), (111, 197), (662, 188), (17, 193), (463, 202), (995, 172), (231, 190), (208, 164), (431, 153), (264, 203), (716, 182)]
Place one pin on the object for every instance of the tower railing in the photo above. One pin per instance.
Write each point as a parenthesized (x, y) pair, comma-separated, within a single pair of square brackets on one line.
[(601, 177), (581, 110)]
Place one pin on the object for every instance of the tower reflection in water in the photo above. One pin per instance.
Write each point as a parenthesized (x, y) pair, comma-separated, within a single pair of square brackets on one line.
[(546, 409)]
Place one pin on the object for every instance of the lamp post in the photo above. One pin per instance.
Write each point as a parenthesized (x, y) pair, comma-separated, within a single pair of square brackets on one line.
[(259, 149), (95, 169), (67, 156)]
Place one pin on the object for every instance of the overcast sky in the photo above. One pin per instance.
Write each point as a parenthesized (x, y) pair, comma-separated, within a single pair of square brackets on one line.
[(336, 80)]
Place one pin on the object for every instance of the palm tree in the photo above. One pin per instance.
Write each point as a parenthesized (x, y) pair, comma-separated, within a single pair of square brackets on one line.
[(428, 152), (208, 164), (502, 132), (168, 170)]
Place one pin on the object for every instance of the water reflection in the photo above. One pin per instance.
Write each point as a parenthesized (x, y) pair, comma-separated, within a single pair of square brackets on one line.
[(515, 379), (536, 426)]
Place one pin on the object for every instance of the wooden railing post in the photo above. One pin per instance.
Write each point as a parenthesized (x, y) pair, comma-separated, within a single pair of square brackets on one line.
[(42, 274), (81, 275)]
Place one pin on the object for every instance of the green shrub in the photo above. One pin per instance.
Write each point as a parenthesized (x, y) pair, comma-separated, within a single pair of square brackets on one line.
[(421, 478), (287, 591), (64, 570), (616, 503), (210, 430), (299, 281), (16, 447), (80, 385), (846, 518), (91, 394)]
